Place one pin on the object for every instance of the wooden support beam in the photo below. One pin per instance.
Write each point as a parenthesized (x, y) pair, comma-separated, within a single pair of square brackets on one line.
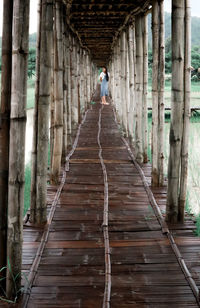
[(179, 128), (186, 115), (139, 89), (38, 214), (158, 81), (145, 89), (6, 76), (132, 107), (58, 94), (17, 145), (65, 93), (69, 86), (74, 93)]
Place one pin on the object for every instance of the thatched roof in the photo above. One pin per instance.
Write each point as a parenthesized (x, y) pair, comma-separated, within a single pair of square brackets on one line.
[(97, 22)]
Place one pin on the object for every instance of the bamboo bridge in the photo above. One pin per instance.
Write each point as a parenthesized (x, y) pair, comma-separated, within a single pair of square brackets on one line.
[(105, 228)]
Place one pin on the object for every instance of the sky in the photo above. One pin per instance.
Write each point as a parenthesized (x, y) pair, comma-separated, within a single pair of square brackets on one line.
[(195, 4)]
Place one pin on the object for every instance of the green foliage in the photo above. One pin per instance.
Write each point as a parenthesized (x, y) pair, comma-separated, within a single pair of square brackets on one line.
[(31, 62), (195, 58), (195, 28)]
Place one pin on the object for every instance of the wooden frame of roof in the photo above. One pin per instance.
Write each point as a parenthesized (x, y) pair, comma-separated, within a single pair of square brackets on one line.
[(98, 23)]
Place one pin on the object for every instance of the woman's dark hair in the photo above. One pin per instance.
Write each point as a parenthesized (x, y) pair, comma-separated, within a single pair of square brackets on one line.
[(107, 77)]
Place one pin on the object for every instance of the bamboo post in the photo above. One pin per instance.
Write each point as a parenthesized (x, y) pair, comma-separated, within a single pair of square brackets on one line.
[(85, 78), (118, 85), (65, 94), (123, 80), (131, 127), (6, 75), (58, 95), (88, 78), (69, 86), (139, 89), (127, 87), (82, 81), (74, 96), (17, 144), (161, 93), (145, 88), (155, 66), (186, 119), (158, 83), (78, 83), (176, 126), (39, 172)]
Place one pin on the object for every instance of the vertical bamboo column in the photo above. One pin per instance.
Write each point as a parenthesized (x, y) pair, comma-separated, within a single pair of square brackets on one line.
[(82, 101), (88, 78), (85, 78), (145, 88), (6, 75), (176, 126), (131, 36), (74, 96), (69, 87), (139, 89), (123, 80), (41, 113), (78, 82), (17, 144), (58, 95), (127, 87), (65, 94), (158, 82), (186, 120)]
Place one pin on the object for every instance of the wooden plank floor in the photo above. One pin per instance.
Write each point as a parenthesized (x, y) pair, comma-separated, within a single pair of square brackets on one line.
[(145, 271)]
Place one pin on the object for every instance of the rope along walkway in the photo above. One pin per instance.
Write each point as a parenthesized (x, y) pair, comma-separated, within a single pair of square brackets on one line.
[(106, 301)]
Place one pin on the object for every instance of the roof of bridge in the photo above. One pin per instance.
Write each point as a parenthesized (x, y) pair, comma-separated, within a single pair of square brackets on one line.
[(98, 22)]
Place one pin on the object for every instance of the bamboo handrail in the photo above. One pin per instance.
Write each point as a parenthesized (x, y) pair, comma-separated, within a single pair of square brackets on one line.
[(107, 290)]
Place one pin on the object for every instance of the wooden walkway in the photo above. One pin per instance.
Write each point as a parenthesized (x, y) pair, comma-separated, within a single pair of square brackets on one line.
[(68, 268)]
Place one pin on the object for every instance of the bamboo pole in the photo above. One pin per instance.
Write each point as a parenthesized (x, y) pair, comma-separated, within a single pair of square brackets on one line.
[(127, 80), (88, 78), (65, 94), (82, 99), (17, 144), (161, 93), (52, 111), (78, 83), (139, 89), (186, 119), (74, 96), (158, 82), (123, 80), (6, 75), (145, 88), (155, 67), (69, 94), (39, 172), (176, 127), (118, 85), (58, 95), (131, 127), (85, 78)]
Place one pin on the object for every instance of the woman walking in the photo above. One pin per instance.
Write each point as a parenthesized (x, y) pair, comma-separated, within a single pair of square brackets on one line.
[(104, 78)]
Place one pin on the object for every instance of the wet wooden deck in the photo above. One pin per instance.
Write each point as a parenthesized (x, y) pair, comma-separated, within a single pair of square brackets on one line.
[(71, 269)]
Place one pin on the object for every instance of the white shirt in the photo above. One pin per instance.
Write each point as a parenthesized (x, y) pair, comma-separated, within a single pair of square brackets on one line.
[(102, 75)]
